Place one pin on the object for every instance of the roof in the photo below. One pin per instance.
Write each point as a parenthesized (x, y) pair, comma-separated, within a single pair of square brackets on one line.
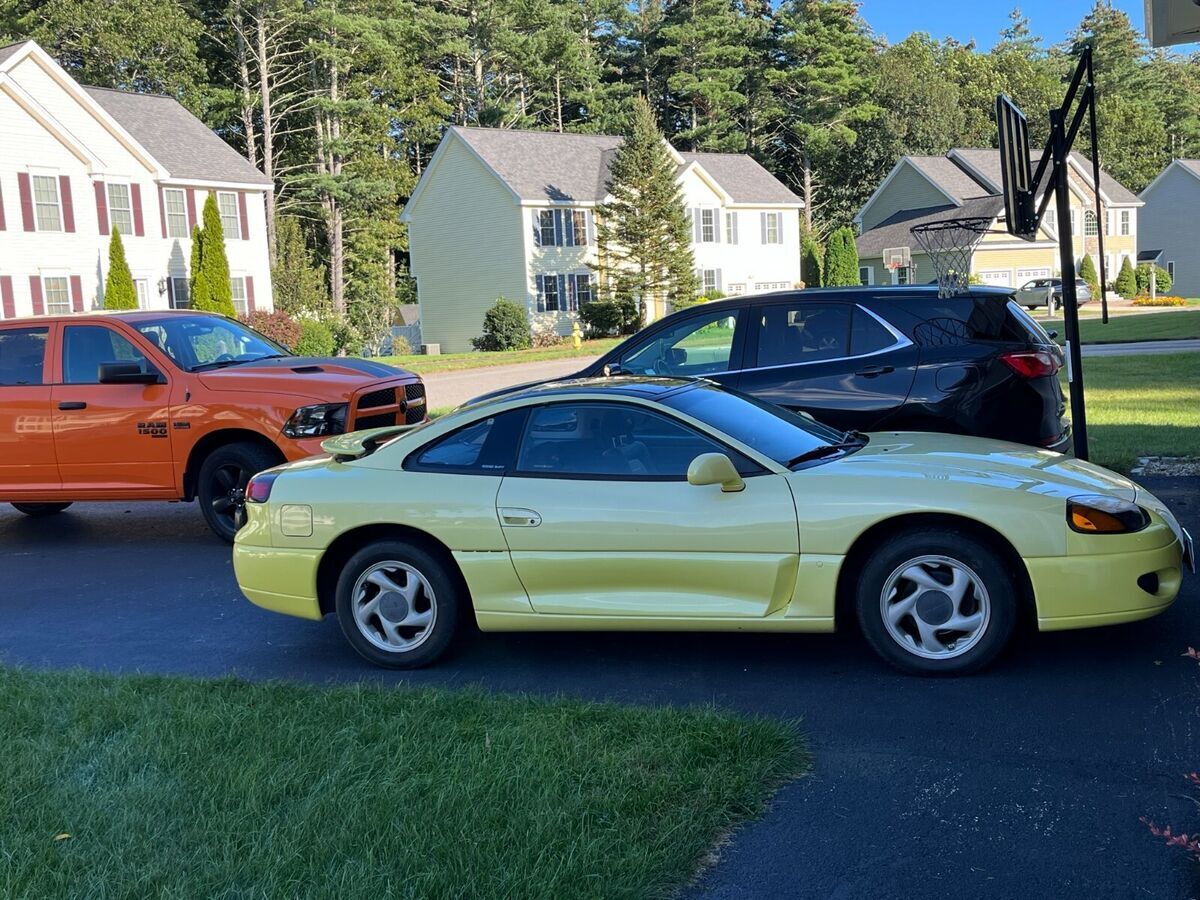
[(564, 167), (949, 176), (896, 230), (184, 145), (8, 50), (987, 163)]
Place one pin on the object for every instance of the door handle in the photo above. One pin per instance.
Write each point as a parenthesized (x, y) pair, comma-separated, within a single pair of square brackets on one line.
[(72, 404), (875, 371), (519, 518)]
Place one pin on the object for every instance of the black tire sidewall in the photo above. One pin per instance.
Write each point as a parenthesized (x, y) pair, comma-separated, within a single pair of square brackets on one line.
[(249, 456), (37, 510), (447, 593), (988, 564)]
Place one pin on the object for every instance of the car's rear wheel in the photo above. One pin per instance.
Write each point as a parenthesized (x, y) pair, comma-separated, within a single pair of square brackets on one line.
[(40, 509), (221, 487), (937, 602), (398, 604)]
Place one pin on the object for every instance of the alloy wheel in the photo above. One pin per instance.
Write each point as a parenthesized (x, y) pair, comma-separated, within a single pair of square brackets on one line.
[(394, 606), (935, 607), (229, 494)]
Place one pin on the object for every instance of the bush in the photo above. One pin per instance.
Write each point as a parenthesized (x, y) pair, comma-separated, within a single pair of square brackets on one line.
[(1162, 281), (811, 261), (1126, 283), (505, 327), (548, 338), (841, 259), (119, 292), (400, 345), (316, 339), (278, 326), (1160, 300), (1087, 271), (601, 317)]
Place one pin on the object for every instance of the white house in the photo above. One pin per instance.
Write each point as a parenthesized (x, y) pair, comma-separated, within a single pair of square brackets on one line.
[(510, 213), (79, 161), (1169, 224)]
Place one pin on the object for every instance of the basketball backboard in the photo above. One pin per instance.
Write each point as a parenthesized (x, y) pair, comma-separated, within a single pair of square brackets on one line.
[(1171, 22), (1016, 170), (897, 257)]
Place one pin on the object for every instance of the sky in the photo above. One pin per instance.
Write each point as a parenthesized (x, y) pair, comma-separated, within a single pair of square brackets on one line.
[(982, 20)]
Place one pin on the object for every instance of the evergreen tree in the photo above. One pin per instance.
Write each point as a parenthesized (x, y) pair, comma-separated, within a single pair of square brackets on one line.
[(642, 233), (299, 285), (1087, 271), (1126, 284), (197, 288), (211, 290), (810, 262), (119, 292), (841, 259)]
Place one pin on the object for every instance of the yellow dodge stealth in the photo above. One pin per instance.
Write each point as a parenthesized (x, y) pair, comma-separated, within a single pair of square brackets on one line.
[(670, 504)]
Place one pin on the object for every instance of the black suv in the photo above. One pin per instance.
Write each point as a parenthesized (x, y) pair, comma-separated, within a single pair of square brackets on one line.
[(869, 358)]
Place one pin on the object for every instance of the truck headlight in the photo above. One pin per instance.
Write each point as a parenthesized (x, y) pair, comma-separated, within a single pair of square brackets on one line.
[(318, 420), (1101, 514)]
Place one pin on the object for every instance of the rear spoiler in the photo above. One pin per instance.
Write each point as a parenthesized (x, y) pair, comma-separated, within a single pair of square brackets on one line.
[(358, 444)]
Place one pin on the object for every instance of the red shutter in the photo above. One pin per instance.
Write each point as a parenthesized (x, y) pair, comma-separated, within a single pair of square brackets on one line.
[(2, 225), (162, 210), (191, 208), (135, 198), (68, 206), (242, 216), (26, 201), (6, 297), (249, 293), (76, 293), (101, 206), (35, 292)]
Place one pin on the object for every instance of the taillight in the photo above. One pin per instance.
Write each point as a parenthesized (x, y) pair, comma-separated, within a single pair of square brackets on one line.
[(1031, 363), (259, 488)]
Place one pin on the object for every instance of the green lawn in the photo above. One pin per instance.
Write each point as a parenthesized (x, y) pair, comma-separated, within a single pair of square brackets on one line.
[(170, 787), (1142, 406), (453, 362), (1154, 326)]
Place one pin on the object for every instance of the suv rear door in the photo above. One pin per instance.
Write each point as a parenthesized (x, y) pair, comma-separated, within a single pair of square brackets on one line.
[(27, 462), (834, 359)]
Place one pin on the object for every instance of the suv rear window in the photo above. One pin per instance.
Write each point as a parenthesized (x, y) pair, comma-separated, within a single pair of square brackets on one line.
[(22, 355), (955, 319)]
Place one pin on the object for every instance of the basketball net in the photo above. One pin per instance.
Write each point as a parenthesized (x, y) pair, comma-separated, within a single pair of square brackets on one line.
[(950, 244)]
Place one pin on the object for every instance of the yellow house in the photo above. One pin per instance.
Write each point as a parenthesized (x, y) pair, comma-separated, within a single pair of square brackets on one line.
[(965, 183)]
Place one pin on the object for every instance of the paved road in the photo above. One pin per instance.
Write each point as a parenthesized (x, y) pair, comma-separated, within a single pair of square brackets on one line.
[(1138, 348), (1028, 779), (453, 388)]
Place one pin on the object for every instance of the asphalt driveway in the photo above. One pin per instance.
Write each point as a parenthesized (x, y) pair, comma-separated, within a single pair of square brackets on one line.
[(1026, 780)]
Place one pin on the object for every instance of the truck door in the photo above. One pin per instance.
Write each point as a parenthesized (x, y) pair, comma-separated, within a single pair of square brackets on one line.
[(27, 463)]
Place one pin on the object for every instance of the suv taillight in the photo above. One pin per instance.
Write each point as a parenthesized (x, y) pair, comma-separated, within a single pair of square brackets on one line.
[(259, 488), (1031, 363)]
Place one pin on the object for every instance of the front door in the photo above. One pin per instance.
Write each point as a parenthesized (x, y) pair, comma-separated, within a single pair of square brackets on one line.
[(27, 463), (111, 439), (601, 521)]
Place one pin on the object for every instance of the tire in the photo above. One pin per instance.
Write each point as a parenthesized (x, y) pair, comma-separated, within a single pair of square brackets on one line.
[(914, 638), (37, 510), (221, 485), (383, 573)]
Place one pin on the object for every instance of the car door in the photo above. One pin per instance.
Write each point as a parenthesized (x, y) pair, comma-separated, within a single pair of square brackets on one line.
[(111, 439), (840, 362), (27, 461), (707, 343), (601, 521)]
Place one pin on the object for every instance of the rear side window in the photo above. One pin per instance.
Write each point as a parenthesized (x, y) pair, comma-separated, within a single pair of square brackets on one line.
[(803, 332), (485, 447), (22, 356), (960, 319), (868, 334)]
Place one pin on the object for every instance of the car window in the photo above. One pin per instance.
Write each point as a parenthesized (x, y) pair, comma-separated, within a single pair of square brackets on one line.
[(954, 320), (868, 334), (484, 447), (86, 347), (698, 345), (610, 440), (22, 356), (803, 332), (200, 341)]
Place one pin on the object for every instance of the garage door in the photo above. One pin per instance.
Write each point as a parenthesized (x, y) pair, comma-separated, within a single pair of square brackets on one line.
[(1000, 277), (1024, 275)]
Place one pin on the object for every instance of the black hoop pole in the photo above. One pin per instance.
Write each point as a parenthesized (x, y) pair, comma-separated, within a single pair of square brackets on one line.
[(1091, 82)]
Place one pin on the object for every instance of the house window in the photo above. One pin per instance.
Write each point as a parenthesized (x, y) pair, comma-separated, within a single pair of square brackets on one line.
[(738, 287), (1108, 222), (579, 290), (866, 275), (237, 285), (1171, 269), (903, 275), (1125, 222), (180, 295), (1091, 227), (1052, 219), (142, 287), (176, 206), (1074, 219), (710, 281), (46, 202), (231, 222), (120, 208), (731, 231), (579, 235), (56, 291), (773, 228), (708, 226), (548, 294)]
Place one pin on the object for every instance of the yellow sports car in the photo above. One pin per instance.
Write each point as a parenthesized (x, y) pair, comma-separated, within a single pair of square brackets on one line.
[(671, 504)]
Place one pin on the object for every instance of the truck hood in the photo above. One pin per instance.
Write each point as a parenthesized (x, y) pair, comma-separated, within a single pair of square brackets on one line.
[(982, 462), (321, 378)]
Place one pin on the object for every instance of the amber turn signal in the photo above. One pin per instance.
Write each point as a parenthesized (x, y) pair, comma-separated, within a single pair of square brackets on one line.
[(1105, 515)]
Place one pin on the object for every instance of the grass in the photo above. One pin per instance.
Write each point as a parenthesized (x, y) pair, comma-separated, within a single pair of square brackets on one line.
[(1154, 326), (170, 787), (455, 362), (1142, 406)]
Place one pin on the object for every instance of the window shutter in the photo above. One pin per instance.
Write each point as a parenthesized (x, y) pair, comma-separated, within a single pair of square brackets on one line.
[(720, 284), (35, 293), (591, 228), (717, 226), (541, 295), (171, 292), (68, 205), (2, 225), (76, 293), (243, 216), (695, 226), (249, 293), (135, 199), (563, 300), (101, 206), (162, 210), (762, 222), (537, 228), (6, 297), (558, 228), (191, 208), (733, 227), (26, 201)]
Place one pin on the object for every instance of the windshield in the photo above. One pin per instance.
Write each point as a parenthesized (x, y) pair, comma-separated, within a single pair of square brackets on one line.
[(208, 342), (772, 431)]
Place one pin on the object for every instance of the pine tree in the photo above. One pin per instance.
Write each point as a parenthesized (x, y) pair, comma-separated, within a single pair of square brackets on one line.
[(299, 285), (841, 259), (1126, 284), (213, 293), (810, 262), (119, 292), (198, 289), (1087, 271), (642, 234)]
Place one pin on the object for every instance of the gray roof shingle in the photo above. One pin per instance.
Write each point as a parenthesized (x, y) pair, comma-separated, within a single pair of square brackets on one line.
[(183, 144), (9, 49), (896, 230), (949, 176), (743, 178), (987, 163)]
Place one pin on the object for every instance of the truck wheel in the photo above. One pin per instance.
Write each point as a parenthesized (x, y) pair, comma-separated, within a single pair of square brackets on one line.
[(221, 487), (40, 509)]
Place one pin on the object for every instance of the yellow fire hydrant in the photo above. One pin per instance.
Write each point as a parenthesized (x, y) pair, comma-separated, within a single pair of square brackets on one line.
[(576, 336)]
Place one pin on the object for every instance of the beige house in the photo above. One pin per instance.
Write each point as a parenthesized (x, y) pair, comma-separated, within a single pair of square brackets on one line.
[(510, 213), (966, 183)]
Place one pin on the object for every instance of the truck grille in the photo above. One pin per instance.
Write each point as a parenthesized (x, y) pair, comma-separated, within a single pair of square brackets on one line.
[(398, 405)]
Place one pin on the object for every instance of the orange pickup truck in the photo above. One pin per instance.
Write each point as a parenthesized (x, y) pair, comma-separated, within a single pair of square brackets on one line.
[(172, 406)]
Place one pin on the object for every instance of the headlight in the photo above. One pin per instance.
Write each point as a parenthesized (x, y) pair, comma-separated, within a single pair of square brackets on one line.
[(1100, 514), (317, 421)]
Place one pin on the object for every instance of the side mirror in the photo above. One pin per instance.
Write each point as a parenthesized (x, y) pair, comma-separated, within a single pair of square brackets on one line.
[(715, 468), (127, 373), (677, 356), (612, 368), (1053, 334)]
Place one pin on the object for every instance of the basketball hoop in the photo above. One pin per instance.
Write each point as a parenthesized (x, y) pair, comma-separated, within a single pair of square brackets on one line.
[(896, 258), (950, 244)]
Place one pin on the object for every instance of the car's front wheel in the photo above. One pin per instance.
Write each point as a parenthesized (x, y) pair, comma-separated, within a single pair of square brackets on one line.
[(398, 604), (40, 509), (937, 602), (221, 486)]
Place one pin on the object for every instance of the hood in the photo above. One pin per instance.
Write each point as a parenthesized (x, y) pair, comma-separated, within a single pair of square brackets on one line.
[(322, 378), (983, 462)]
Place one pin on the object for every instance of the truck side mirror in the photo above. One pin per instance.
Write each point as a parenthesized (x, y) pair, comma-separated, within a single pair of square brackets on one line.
[(127, 373)]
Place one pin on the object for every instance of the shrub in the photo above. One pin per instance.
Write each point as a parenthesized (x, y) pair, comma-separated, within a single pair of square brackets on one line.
[(315, 339), (119, 292), (1126, 283), (601, 317), (548, 338), (505, 327), (1162, 281), (1160, 300), (810, 261), (278, 326), (1087, 271), (400, 345)]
